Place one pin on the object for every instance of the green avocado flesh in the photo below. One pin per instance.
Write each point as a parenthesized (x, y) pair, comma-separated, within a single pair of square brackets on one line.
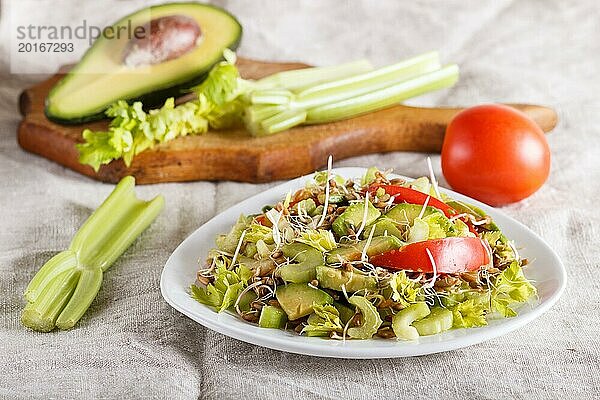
[(352, 281), (298, 299), (405, 214), (101, 77), (378, 245), (353, 218)]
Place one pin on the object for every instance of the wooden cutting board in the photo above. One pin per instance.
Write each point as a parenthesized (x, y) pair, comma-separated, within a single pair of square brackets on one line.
[(234, 154)]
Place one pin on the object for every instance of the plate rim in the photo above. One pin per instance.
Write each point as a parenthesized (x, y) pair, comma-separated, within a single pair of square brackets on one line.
[(340, 350)]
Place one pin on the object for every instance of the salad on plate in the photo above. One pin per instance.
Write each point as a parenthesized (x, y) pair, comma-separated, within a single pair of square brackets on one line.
[(364, 257)]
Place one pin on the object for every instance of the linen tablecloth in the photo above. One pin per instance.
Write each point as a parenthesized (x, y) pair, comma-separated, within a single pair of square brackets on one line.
[(131, 344)]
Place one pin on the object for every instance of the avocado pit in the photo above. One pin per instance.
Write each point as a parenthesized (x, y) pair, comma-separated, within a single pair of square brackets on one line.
[(162, 39)]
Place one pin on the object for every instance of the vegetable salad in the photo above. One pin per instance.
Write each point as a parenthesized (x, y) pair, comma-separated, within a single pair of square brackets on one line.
[(358, 258)]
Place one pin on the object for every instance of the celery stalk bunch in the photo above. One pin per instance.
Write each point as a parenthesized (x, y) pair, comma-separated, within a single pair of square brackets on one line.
[(63, 289), (266, 106)]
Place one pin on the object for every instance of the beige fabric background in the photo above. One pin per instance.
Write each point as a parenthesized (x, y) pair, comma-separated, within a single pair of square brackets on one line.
[(131, 344)]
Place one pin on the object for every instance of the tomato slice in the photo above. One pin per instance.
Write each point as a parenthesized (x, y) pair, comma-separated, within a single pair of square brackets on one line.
[(403, 194), (262, 220), (451, 255)]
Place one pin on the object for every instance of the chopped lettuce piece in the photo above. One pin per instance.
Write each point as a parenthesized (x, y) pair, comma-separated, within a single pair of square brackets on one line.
[(256, 232), (469, 314), (500, 246), (369, 176), (422, 185), (320, 239), (432, 226), (419, 231), (439, 226), (404, 290), (461, 229), (321, 176), (323, 321), (225, 289), (510, 288)]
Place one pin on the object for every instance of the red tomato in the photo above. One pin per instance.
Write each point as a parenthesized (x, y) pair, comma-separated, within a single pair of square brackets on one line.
[(451, 255), (495, 154)]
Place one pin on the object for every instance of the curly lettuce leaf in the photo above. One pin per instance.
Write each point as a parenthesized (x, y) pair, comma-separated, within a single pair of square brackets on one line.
[(132, 130), (223, 82), (432, 226), (324, 320), (404, 290), (422, 185), (500, 246), (469, 314), (511, 288), (320, 239), (225, 289), (369, 176), (256, 232), (321, 177), (439, 226), (461, 229)]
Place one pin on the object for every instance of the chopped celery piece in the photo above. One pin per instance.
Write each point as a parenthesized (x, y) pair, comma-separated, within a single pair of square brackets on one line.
[(371, 321), (63, 289), (401, 322), (304, 259), (272, 317), (439, 320)]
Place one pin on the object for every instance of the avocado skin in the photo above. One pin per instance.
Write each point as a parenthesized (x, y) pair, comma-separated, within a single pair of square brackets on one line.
[(151, 99)]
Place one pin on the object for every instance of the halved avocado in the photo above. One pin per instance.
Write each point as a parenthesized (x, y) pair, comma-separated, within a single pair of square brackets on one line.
[(103, 76)]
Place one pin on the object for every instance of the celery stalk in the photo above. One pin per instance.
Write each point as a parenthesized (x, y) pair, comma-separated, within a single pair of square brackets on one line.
[(383, 98), (58, 264), (368, 82), (281, 122), (301, 78), (63, 289), (271, 96), (87, 288)]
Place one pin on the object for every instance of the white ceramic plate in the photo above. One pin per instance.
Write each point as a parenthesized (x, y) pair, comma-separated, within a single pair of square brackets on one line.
[(547, 271)]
